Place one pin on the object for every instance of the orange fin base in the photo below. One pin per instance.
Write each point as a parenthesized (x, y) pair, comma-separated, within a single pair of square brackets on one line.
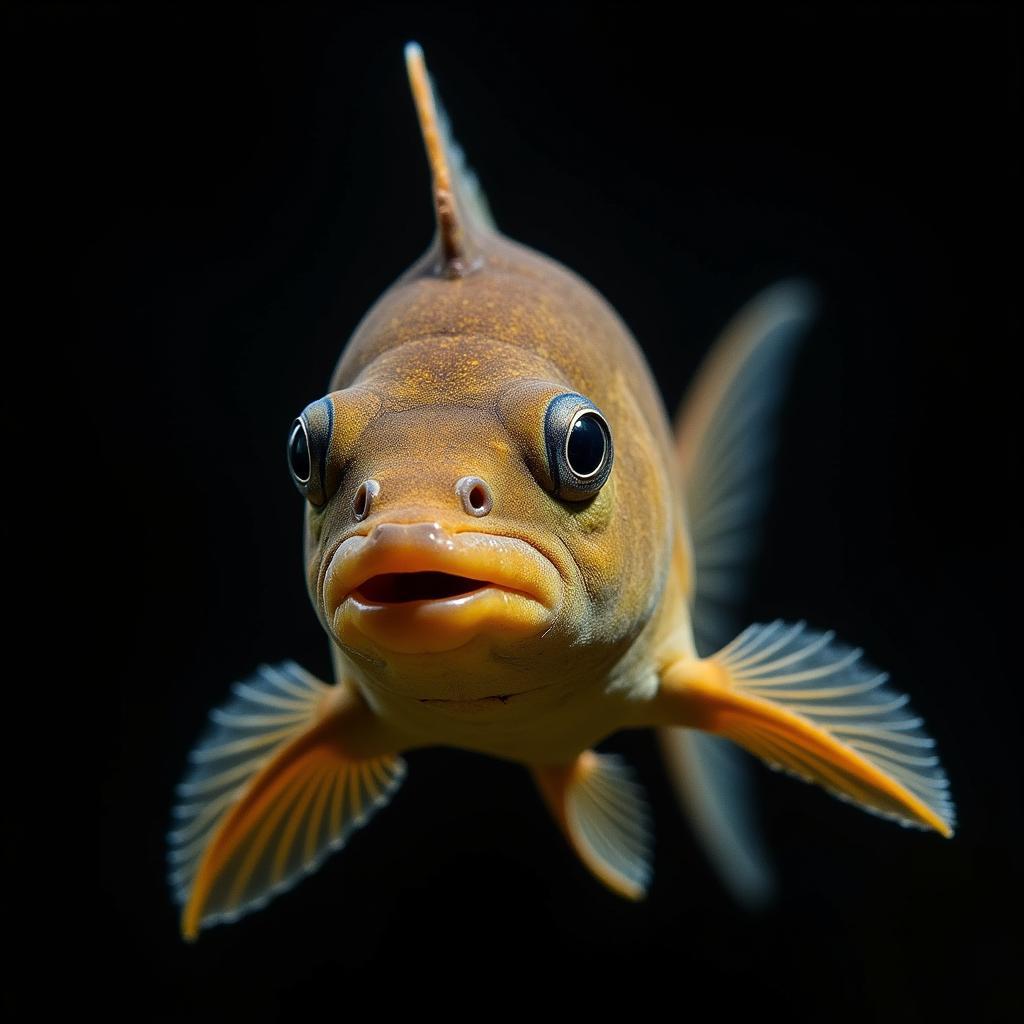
[(810, 706), (271, 793)]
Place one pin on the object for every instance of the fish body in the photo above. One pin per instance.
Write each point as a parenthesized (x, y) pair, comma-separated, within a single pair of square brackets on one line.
[(512, 552), (456, 365)]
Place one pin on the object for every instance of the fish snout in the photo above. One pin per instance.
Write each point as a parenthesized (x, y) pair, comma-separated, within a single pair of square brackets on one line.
[(421, 535)]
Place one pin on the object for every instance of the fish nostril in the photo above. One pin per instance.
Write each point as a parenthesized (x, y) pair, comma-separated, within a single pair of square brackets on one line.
[(363, 500), (476, 496)]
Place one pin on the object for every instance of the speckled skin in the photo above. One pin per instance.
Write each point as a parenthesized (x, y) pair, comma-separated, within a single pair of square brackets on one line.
[(431, 388)]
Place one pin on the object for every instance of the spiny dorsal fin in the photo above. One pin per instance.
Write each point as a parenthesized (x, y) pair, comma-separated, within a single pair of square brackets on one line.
[(459, 204)]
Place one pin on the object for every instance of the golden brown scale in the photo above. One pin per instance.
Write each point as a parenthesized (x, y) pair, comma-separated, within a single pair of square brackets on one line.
[(433, 340)]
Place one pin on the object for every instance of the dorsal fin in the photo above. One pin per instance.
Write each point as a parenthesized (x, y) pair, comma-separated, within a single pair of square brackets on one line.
[(460, 206)]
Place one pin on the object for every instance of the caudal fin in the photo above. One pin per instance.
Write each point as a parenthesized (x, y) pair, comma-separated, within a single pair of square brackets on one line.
[(713, 783), (811, 706), (725, 439), (725, 434), (270, 793)]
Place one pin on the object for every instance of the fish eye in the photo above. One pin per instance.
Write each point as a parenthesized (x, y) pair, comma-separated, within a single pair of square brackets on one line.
[(586, 447), (309, 440), (579, 445)]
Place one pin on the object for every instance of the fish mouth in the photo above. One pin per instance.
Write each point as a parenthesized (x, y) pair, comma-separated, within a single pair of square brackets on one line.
[(420, 589), (403, 587)]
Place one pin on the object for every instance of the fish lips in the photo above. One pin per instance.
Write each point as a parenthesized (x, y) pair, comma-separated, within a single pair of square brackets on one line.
[(421, 589)]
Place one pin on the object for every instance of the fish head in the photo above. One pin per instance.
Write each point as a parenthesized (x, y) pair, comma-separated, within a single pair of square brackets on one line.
[(477, 527)]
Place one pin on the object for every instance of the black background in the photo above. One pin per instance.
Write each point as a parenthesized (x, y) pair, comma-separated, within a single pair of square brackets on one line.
[(216, 197)]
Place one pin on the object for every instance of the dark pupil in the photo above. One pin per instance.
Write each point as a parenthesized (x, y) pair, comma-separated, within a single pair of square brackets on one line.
[(298, 454), (586, 445)]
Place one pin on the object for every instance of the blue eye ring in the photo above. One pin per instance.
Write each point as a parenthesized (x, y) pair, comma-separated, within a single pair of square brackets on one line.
[(564, 415), (309, 441), (298, 432)]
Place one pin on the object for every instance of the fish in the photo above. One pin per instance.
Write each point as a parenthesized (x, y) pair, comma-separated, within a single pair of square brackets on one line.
[(513, 552)]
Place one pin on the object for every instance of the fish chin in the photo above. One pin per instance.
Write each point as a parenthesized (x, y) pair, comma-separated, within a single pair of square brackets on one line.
[(420, 589), (499, 705)]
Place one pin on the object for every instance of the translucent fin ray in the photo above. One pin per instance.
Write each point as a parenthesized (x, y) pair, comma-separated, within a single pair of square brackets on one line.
[(725, 441), (808, 704), (269, 794), (712, 782), (603, 812)]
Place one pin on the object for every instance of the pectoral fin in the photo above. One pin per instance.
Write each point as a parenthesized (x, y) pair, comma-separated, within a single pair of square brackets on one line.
[(810, 706), (273, 788), (603, 813)]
